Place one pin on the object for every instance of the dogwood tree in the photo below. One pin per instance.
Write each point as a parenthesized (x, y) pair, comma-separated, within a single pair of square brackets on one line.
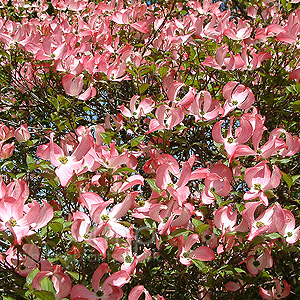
[(149, 149)]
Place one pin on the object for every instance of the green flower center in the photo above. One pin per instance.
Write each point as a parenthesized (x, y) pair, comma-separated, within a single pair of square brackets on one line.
[(289, 234), (230, 140), (257, 186), (105, 218), (100, 293), (165, 220), (234, 102), (63, 159), (185, 255), (260, 224), (128, 259), (256, 263), (13, 222), (141, 203), (86, 236)]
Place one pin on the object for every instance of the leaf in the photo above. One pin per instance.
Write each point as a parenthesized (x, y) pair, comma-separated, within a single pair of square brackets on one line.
[(105, 138), (20, 175), (136, 140), (197, 222), (56, 226), (240, 207), (296, 105), (143, 87), (200, 229), (180, 231), (150, 223), (288, 179), (218, 198), (30, 162), (273, 236), (44, 295), (239, 270), (75, 275), (47, 285), (31, 275), (295, 178), (124, 170), (200, 265), (153, 185)]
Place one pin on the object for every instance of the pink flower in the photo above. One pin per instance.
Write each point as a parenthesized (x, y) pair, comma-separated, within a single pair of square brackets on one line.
[(237, 95), (258, 259), (61, 281), (233, 143), (22, 134), (137, 291), (277, 292), (259, 179), (109, 290), (66, 165), (22, 220), (270, 221), (201, 253)]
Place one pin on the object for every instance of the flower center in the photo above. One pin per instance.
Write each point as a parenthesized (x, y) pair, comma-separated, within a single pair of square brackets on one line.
[(234, 102), (230, 140), (100, 293), (207, 237), (105, 218), (257, 186), (289, 234), (260, 224), (128, 259), (185, 255), (165, 220), (63, 159), (86, 236), (141, 203), (256, 263), (13, 222)]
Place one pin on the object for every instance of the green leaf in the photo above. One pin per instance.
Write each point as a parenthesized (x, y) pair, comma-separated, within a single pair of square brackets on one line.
[(296, 105), (124, 170), (105, 138), (197, 222), (217, 231), (218, 198), (20, 175), (239, 270), (143, 87), (150, 223), (200, 265), (153, 185), (47, 285), (240, 207), (295, 178), (180, 231), (30, 162), (136, 140), (31, 275), (273, 236), (288, 179), (44, 295), (200, 229), (75, 275), (56, 226)]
